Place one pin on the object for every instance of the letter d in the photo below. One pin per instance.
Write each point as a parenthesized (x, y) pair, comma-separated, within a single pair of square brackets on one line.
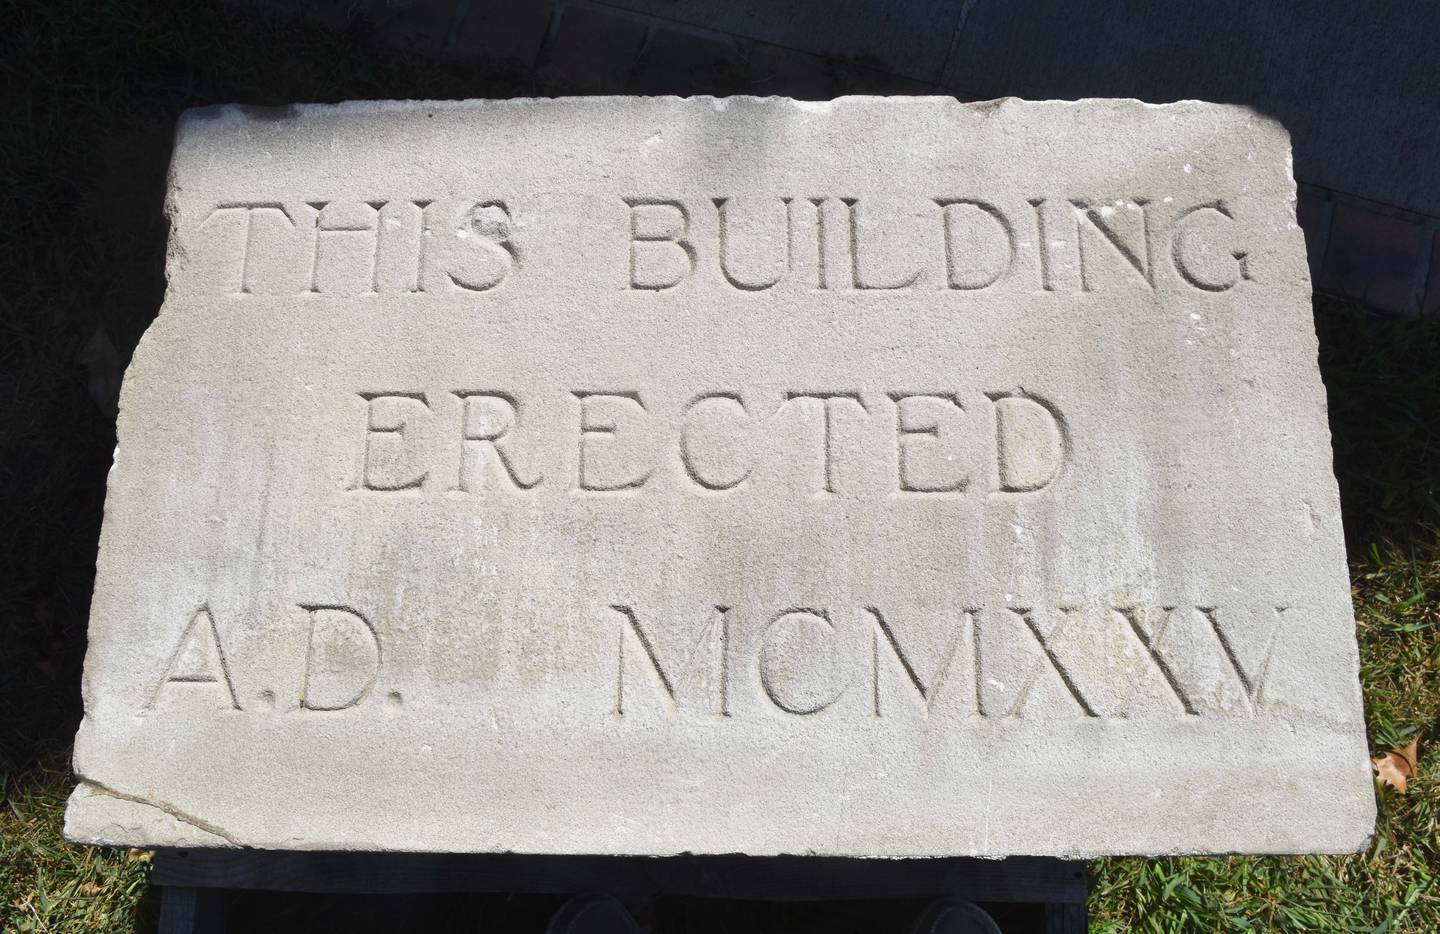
[(342, 659), (1031, 441)]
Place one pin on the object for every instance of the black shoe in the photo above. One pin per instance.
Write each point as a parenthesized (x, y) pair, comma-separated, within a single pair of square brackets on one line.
[(593, 914), (954, 916)]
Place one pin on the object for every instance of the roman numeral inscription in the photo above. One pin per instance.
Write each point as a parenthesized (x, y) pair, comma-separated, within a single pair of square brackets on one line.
[(982, 663)]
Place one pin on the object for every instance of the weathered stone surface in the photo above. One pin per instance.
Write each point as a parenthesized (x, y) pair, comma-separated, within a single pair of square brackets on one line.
[(884, 477)]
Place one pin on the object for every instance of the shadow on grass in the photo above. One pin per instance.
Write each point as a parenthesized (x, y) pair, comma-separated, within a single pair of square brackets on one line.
[(1382, 377)]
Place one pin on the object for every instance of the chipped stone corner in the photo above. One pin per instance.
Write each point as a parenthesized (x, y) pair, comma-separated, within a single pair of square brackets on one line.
[(97, 814)]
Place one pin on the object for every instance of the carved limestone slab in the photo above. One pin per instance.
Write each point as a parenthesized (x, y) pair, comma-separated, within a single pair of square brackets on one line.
[(882, 477)]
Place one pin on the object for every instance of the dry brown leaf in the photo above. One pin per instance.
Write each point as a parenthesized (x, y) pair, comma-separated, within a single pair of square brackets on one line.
[(1398, 766)]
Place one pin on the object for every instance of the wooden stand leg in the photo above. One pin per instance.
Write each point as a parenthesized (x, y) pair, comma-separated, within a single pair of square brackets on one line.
[(185, 909), (1065, 918)]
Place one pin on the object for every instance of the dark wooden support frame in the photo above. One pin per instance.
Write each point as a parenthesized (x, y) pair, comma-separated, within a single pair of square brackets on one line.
[(193, 881)]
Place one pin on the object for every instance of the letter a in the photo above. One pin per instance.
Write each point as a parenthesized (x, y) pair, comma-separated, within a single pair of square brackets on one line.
[(197, 659)]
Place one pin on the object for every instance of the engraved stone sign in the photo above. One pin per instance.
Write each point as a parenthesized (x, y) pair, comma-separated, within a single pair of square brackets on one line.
[(881, 477)]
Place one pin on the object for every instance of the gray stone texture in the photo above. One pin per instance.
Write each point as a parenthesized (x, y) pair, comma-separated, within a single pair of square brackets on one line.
[(503, 32), (673, 63), (1376, 258), (593, 50), (910, 39), (1432, 294), (881, 477)]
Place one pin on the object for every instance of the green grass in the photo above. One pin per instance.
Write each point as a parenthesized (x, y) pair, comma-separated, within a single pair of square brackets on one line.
[(91, 90), (48, 885)]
